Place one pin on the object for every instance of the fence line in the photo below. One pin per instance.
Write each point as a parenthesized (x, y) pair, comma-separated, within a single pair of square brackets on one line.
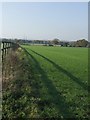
[(7, 47)]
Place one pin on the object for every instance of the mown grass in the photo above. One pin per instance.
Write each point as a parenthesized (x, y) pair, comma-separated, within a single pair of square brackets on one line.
[(62, 75)]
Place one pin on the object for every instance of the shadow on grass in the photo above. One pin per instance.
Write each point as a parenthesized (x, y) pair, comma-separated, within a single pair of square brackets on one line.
[(75, 79), (56, 97)]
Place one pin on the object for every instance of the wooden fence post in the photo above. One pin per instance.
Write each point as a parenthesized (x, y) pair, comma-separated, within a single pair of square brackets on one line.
[(6, 47)]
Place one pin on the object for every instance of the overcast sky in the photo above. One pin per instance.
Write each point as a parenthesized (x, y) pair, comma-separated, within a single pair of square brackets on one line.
[(66, 21)]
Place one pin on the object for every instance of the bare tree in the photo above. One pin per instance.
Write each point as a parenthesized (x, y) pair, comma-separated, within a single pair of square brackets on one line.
[(55, 41)]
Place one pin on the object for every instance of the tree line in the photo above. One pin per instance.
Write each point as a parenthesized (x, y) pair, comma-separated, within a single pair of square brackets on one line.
[(54, 42)]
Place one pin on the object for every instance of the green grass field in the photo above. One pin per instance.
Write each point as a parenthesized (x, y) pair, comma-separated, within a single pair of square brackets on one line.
[(47, 82), (61, 74)]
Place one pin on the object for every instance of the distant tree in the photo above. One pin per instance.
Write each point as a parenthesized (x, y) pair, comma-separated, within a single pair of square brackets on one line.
[(50, 42), (55, 41), (66, 44), (88, 45), (81, 43)]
